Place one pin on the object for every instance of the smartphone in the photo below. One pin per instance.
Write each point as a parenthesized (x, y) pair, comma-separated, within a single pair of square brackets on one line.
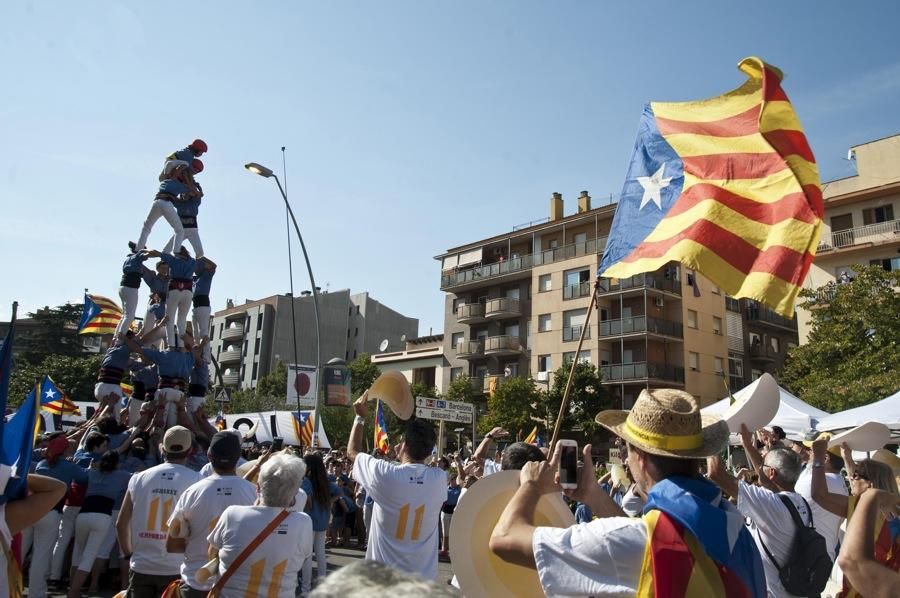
[(568, 464), (277, 443)]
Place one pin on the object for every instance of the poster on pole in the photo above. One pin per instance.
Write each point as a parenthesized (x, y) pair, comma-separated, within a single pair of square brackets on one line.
[(337, 385), (301, 385)]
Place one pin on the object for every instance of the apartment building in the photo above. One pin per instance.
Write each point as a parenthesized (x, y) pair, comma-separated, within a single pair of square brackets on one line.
[(248, 340), (860, 223), (516, 304), (421, 360)]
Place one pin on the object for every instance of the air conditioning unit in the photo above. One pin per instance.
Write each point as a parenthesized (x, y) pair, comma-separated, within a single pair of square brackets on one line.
[(658, 302), (542, 376)]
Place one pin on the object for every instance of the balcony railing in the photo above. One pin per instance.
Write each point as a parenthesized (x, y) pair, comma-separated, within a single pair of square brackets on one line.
[(574, 291), (638, 324), (642, 371), (469, 313), (503, 344), (573, 333), (525, 262), (502, 307), (230, 356), (762, 352), (231, 379), (732, 304), (879, 232), (233, 333), (758, 313), (653, 281), (469, 349)]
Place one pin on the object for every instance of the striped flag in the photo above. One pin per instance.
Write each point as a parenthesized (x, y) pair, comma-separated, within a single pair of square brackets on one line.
[(100, 316), (303, 427), (727, 186), (382, 441), (55, 400), (220, 423), (532, 436)]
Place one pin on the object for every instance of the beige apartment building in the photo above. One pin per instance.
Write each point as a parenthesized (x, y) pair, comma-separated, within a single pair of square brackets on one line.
[(516, 304), (860, 223)]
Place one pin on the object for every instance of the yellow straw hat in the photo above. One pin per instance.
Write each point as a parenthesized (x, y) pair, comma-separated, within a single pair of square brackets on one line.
[(668, 422), (393, 390)]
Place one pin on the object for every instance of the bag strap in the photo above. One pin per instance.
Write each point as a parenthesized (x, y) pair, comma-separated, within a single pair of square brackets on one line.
[(223, 579), (795, 515)]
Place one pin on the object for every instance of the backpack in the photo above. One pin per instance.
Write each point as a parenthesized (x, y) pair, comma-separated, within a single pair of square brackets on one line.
[(808, 566)]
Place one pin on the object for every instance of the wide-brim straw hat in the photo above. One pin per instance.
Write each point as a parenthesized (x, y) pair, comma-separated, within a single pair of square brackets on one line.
[(668, 422), (393, 390), (870, 436)]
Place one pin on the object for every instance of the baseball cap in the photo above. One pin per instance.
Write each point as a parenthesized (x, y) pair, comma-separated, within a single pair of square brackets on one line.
[(57, 446), (224, 450), (177, 439)]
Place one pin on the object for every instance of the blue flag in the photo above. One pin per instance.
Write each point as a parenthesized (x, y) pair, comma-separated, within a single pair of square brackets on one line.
[(5, 367), (18, 443)]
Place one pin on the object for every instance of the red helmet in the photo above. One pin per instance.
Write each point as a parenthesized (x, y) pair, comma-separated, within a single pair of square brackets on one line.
[(196, 166), (199, 146)]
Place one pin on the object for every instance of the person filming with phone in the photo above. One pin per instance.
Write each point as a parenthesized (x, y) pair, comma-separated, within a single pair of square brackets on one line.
[(689, 540)]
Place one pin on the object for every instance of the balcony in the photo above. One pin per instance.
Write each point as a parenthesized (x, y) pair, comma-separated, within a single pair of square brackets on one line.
[(641, 325), (232, 333), (764, 315), (870, 234), (762, 353), (502, 307), (573, 333), (493, 382), (732, 304), (576, 291), (642, 371), (473, 277), (502, 345), (470, 349), (230, 356), (470, 313), (231, 379), (640, 281)]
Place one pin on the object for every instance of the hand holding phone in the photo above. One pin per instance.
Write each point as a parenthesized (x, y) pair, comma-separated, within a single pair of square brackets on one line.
[(568, 464)]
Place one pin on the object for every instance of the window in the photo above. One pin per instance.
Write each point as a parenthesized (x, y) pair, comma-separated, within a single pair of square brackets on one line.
[(259, 321), (735, 365), (573, 322), (691, 318), (717, 325), (888, 264), (544, 363), (755, 375), (694, 361), (583, 357), (357, 311), (457, 302), (255, 370), (716, 290), (455, 373), (879, 214), (212, 332), (544, 324), (776, 346), (755, 340), (456, 338), (544, 283), (580, 238), (256, 348), (356, 332), (553, 244), (720, 366)]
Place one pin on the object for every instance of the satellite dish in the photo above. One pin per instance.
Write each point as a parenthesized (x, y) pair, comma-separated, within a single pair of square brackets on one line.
[(402, 338), (384, 345)]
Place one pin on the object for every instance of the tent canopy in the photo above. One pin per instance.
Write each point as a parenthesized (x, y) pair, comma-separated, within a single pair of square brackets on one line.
[(794, 416), (886, 411)]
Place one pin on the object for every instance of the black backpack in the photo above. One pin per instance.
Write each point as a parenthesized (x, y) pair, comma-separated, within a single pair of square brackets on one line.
[(808, 566)]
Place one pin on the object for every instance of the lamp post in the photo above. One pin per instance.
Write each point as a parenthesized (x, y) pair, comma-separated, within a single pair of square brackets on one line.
[(267, 173)]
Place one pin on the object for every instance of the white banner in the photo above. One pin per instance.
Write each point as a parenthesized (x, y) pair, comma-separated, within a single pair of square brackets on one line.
[(301, 385)]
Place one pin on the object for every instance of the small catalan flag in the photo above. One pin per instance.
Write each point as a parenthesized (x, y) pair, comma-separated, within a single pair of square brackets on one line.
[(100, 316), (54, 400)]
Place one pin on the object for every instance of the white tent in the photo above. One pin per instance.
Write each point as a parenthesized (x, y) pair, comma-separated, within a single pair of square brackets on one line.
[(886, 411), (794, 416)]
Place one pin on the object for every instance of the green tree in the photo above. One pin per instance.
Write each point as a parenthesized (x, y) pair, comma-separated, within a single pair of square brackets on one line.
[(850, 357), (53, 332), (420, 390), (274, 384), (362, 374), (512, 405), (586, 398), (75, 375), (461, 389)]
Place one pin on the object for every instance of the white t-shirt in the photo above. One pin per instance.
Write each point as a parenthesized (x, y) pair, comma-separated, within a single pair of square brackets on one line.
[(154, 493), (200, 506), (632, 503), (599, 558), (771, 523), (270, 570), (207, 470), (491, 466), (408, 499), (827, 523)]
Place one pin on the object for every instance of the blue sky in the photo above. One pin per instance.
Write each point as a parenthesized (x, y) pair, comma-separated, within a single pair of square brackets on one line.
[(410, 127)]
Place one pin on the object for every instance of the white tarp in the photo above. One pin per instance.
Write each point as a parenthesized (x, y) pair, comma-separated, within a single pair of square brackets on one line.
[(886, 411), (794, 416)]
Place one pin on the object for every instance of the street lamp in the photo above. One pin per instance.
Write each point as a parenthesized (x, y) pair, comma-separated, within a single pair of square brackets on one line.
[(268, 173)]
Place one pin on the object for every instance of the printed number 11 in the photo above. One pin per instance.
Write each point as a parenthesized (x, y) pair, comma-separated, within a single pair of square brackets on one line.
[(417, 522)]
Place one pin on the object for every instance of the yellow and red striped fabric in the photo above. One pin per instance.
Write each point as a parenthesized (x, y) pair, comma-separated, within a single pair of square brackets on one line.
[(887, 548), (303, 427), (101, 315), (749, 211)]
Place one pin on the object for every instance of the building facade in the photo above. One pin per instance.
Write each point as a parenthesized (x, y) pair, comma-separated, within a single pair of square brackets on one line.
[(248, 340), (861, 219), (516, 304), (421, 360)]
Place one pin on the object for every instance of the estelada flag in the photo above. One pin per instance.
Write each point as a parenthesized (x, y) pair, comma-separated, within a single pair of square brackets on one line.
[(100, 316), (382, 441), (55, 400), (728, 186), (303, 427)]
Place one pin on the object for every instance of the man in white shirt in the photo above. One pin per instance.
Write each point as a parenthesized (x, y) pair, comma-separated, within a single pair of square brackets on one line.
[(770, 521), (408, 497), (143, 520), (480, 455), (199, 507), (827, 523)]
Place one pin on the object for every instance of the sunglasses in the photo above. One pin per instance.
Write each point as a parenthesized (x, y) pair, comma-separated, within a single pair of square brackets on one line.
[(860, 476)]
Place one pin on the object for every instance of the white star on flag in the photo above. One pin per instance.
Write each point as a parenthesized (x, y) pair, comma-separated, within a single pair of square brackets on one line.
[(50, 394), (653, 185)]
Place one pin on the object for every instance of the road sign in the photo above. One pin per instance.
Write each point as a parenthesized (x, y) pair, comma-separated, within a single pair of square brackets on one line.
[(451, 411), (224, 396)]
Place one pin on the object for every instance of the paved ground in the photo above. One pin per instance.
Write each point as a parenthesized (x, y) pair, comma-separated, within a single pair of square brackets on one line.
[(337, 557)]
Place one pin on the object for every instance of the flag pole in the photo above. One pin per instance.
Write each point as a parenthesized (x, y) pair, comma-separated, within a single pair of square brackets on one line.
[(563, 407)]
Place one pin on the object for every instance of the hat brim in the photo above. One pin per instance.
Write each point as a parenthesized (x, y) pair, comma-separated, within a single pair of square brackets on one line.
[(392, 388), (714, 429), (479, 571), (870, 436)]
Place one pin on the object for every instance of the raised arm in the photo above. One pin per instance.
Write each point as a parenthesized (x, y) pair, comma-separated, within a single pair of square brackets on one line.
[(831, 502), (847, 456), (43, 494), (356, 443), (719, 475), (857, 558), (481, 452), (755, 459)]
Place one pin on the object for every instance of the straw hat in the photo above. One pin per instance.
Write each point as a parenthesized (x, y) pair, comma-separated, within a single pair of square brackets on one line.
[(888, 458), (834, 449), (757, 406), (668, 422), (393, 390), (479, 571), (870, 436)]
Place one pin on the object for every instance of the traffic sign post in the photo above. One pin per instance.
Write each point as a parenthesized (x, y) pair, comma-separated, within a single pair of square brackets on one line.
[(439, 409)]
